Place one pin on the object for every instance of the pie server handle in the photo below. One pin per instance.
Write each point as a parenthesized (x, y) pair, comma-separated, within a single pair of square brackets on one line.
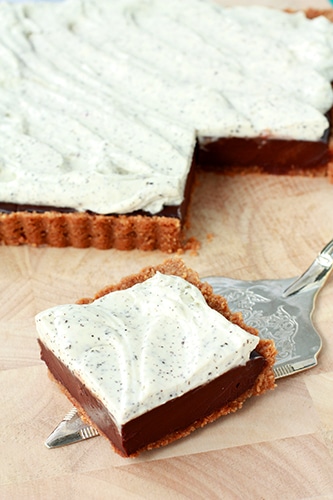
[(315, 276)]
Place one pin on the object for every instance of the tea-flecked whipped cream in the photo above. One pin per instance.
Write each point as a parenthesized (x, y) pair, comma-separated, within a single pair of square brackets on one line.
[(101, 101), (138, 348)]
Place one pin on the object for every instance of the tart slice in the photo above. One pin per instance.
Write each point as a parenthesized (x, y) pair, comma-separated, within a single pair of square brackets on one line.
[(154, 357)]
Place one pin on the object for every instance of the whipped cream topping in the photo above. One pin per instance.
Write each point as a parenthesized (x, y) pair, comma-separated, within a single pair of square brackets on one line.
[(138, 348), (101, 102)]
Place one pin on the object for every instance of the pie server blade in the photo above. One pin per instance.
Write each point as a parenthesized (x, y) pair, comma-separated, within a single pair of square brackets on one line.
[(281, 309)]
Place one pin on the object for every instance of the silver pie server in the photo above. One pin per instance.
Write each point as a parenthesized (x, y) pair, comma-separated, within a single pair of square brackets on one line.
[(281, 309), (70, 430)]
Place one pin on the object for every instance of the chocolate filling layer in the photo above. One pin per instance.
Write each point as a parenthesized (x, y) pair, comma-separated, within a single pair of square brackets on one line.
[(274, 156), (172, 417)]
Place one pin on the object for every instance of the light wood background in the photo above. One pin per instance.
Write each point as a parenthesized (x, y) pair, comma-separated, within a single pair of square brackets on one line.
[(277, 446)]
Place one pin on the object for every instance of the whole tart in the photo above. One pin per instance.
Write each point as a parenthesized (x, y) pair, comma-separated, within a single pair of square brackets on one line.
[(101, 140), (154, 357)]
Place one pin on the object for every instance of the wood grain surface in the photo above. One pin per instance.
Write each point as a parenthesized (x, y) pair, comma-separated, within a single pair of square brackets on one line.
[(277, 446)]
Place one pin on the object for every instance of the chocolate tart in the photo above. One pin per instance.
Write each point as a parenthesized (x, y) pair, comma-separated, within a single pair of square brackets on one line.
[(178, 414), (166, 229)]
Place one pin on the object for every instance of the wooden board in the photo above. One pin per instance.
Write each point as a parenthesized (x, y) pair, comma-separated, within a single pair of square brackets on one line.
[(277, 446)]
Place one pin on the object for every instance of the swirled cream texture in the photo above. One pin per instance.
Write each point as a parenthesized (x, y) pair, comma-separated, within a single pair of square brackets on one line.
[(138, 348), (101, 101)]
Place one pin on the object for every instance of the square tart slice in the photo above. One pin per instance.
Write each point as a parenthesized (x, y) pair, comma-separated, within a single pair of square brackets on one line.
[(154, 357)]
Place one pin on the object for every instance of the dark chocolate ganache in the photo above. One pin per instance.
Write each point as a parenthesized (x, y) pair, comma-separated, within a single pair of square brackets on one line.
[(162, 422)]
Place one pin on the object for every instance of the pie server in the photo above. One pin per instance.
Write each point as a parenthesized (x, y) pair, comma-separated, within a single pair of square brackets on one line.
[(280, 309)]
